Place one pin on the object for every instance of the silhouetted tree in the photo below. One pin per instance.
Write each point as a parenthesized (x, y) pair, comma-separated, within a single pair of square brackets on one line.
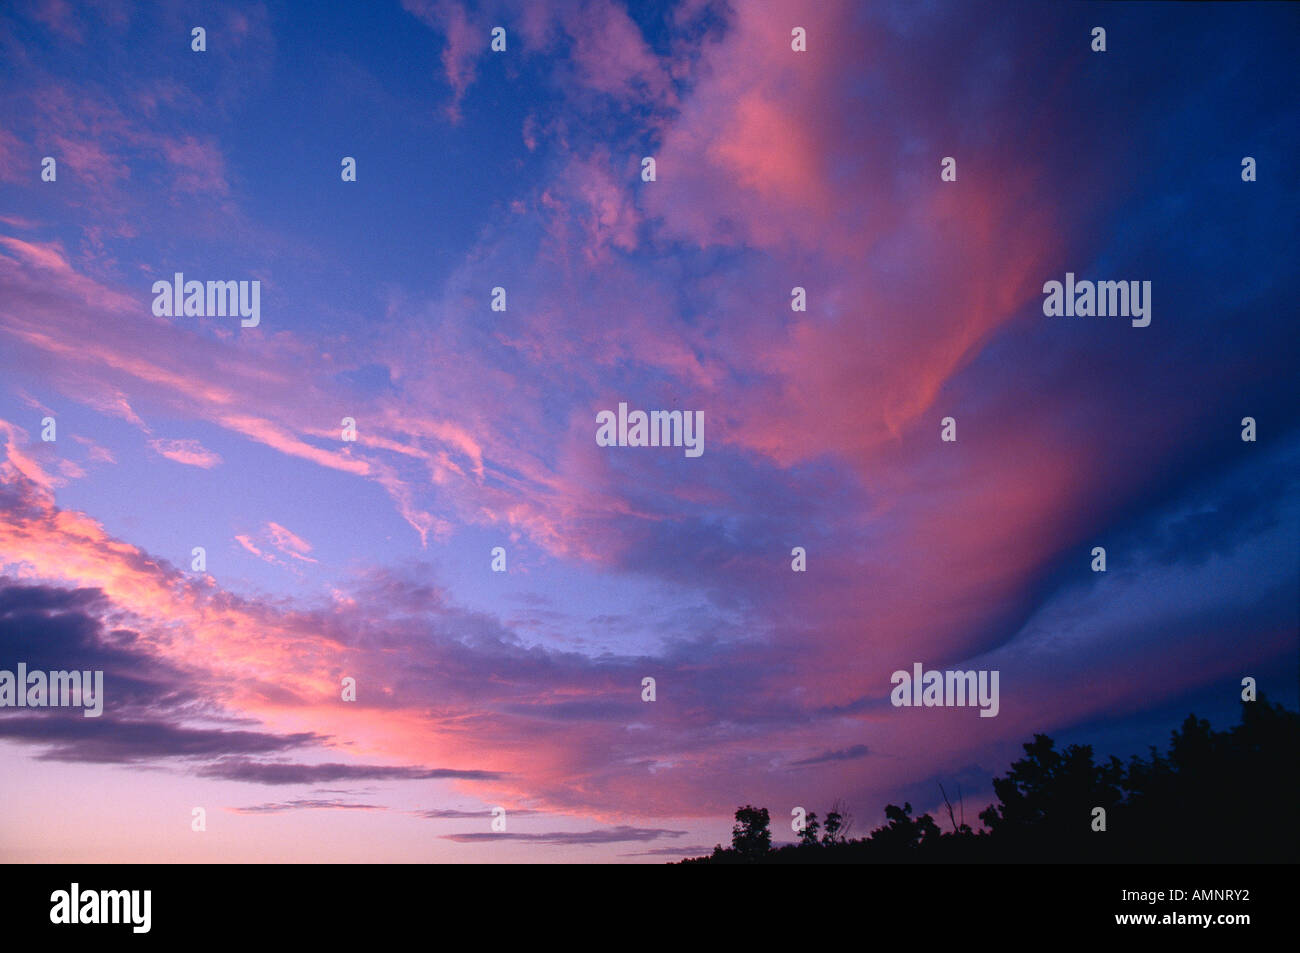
[(808, 836), (838, 832), (750, 838), (903, 832), (1216, 796), (831, 834), (1204, 799), (1047, 799)]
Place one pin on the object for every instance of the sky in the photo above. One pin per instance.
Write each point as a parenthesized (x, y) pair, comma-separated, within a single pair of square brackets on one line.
[(522, 169)]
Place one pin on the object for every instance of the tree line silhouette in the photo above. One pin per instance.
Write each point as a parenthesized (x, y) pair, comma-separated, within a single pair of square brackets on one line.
[(1214, 797)]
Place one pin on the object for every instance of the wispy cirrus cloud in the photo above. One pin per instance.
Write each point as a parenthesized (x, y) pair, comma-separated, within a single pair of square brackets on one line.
[(842, 754), (266, 772), (274, 536), (614, 835), (451, 814), (304, 804), (189, 452)]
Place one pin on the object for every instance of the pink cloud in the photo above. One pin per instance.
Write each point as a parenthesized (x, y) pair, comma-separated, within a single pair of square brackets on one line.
[(273, 536), (200, 166), (465, 42), (95, 452), (249, 545), (103, 146), (289, 543), (611, 55), (189, 452), (56, 15), (17, 164)]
